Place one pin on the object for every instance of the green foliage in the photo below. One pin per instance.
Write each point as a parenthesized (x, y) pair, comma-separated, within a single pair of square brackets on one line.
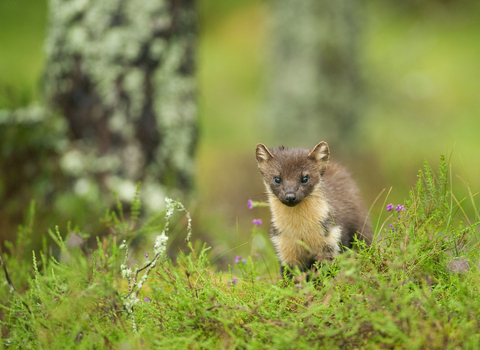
[(30, 141), (23, 22), (405, 291)]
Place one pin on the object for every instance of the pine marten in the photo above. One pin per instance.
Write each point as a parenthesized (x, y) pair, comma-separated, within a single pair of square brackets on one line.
[(313, 201)]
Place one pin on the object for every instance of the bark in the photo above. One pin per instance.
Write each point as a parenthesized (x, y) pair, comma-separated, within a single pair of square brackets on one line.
[(122, 74), (314, 76)]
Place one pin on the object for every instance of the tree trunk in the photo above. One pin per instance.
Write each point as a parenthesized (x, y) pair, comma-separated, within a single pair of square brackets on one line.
[(122, 74), (314, 77)]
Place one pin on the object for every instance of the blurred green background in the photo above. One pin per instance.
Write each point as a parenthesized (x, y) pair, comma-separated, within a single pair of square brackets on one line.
[(419, 61)]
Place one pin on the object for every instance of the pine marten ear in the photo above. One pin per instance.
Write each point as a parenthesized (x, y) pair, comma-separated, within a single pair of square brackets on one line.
[(262, 153), (320, 153)]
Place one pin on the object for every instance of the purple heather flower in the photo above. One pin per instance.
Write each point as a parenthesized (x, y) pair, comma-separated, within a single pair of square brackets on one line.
[(257, 222), (146, 255), (391, 226), (259, 278), (237, 259), (146, 299), (243, 260), (259, 256), (399, 208), (235, 280), (389, 207), (250, 204)]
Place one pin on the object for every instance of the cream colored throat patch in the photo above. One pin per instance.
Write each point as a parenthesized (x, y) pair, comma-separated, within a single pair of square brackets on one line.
[(302, 223)]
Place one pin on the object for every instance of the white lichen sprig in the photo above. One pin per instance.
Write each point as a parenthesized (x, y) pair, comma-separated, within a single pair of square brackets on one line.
[(159, 248)]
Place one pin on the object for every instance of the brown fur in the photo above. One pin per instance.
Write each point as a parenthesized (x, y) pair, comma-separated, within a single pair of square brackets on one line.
[(315, 204)]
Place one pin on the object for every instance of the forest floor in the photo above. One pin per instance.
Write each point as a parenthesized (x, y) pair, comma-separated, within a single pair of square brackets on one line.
[(415, 287)]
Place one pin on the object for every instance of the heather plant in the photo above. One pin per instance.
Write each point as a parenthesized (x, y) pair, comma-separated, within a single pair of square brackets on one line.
[(416, 287)]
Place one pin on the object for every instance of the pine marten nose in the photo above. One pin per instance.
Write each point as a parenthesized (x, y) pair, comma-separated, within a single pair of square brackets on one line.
[(290, 197)]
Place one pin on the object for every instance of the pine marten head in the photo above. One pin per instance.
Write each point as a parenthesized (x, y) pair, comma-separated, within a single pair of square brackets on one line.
[(292, 174)]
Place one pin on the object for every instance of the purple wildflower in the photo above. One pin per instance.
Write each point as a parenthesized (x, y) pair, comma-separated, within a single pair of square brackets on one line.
[(399, 208), (243, 260), (389, 207), (259, 278), (237, 259), (250, 204), (391, 226), (259, 256), (146, 299), (146, 255), (257, 222), (235, 280)]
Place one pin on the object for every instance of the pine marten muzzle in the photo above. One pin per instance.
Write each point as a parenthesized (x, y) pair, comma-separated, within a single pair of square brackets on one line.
[(316, 207)]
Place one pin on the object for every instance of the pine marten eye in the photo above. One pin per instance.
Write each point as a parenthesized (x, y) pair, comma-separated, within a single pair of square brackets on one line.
[(277, 180), (304, 179)]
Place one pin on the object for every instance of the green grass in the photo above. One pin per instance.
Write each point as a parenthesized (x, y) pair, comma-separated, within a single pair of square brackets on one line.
[(402, 292)]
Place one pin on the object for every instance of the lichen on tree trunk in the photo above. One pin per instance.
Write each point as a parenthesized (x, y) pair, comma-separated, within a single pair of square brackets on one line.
[(122, 74), (314, 75)]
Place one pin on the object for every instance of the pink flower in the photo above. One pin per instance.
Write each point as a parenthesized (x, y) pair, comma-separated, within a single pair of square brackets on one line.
[(389, 207), (250, 204), (257, 222)]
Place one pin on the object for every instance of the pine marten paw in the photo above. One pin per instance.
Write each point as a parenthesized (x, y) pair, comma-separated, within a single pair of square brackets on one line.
[(324, 258)]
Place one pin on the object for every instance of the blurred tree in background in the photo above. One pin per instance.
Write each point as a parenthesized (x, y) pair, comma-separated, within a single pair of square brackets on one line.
[(314, 76), (122, 74), (120, 96)]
